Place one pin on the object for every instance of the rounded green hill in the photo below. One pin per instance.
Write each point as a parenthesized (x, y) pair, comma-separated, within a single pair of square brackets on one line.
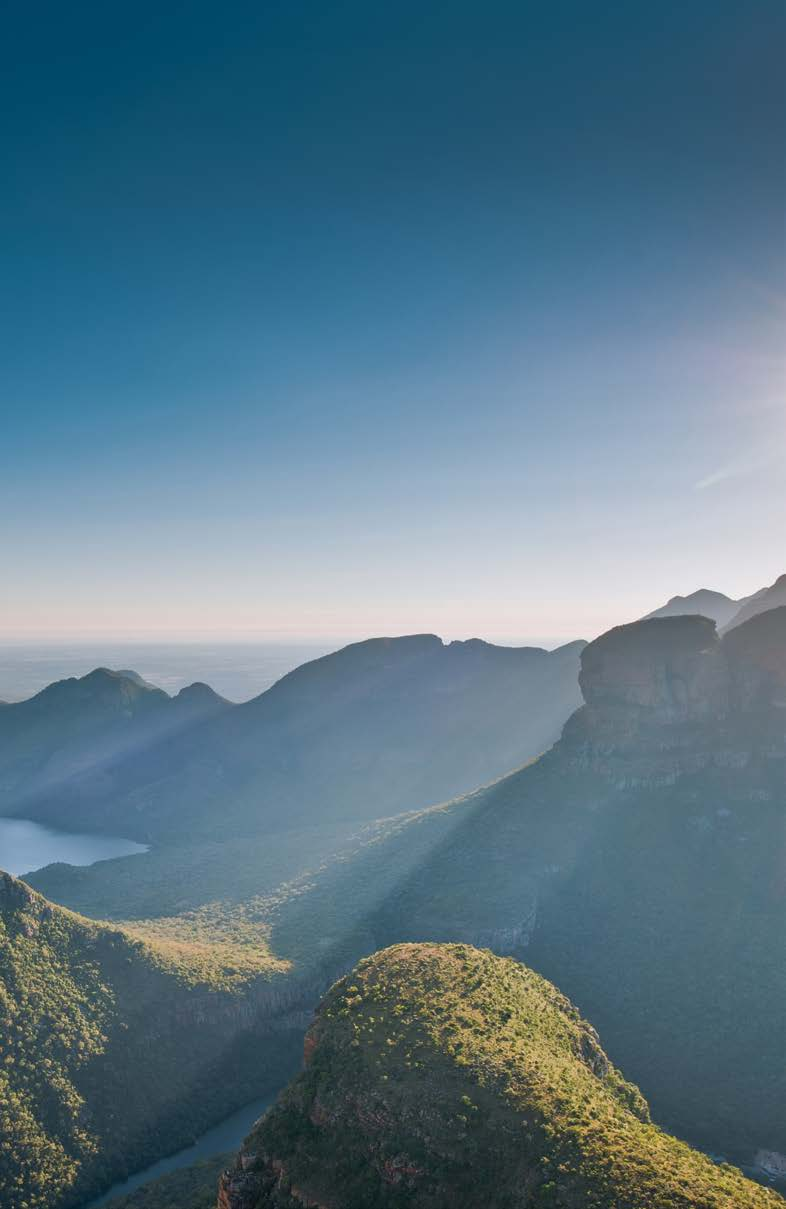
[(442, 1075)]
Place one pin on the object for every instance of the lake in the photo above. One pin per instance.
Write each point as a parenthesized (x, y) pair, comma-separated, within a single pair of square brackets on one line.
[(26, 846), (226, 1136)]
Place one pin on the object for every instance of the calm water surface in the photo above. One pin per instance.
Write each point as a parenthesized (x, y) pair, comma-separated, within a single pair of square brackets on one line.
[(26, 846)]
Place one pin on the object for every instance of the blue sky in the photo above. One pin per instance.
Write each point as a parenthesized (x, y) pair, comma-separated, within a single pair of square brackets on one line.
[(330, 320)]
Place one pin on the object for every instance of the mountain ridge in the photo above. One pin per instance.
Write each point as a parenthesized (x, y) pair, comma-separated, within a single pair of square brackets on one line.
[(374, 729), (69, 732), (705, 602), (771, 597)]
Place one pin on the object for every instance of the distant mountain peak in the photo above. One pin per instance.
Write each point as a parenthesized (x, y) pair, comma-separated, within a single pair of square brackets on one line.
[(199, 689), (201, 696), (106, 674), (705, 602), (101, 682), (701, 594), (128, 674)]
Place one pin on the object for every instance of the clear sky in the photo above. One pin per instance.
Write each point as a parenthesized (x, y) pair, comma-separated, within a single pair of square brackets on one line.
[(351, 318)]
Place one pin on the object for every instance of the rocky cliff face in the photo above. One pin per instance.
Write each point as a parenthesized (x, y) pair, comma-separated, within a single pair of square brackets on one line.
[(756, 653), (672, 668), (666, 697)]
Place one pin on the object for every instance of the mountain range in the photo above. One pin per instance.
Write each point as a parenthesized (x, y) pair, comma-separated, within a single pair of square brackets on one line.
[(722, 609), (374, 729), (638, 864)]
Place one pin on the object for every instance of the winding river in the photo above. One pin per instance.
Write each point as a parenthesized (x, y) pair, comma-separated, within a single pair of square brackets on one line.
[(226, 1136)]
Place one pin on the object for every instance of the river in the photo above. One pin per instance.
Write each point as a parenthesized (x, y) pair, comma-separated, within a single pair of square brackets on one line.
[(226, 1136)]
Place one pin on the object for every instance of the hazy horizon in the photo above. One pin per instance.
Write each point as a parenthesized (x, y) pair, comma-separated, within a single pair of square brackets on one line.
[(588, 624), (237, 669), (237, 666)]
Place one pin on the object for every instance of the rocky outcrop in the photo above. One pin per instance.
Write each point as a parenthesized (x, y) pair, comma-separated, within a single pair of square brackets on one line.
[(672, 668), (666, 698)]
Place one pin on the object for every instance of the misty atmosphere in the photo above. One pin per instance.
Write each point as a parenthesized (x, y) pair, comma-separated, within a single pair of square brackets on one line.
[(393, 616)]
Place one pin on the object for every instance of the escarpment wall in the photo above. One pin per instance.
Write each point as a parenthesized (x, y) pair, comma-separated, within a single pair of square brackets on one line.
[(666, 698)]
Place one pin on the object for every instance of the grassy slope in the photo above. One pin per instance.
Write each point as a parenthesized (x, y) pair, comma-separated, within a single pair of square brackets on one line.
[(443, 1074), (302, 898)]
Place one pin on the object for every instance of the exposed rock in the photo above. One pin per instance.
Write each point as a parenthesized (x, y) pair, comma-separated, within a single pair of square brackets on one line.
[(665, 698), (672, 667)]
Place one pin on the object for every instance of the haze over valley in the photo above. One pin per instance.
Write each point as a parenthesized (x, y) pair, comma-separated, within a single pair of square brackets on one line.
[(344, 810)]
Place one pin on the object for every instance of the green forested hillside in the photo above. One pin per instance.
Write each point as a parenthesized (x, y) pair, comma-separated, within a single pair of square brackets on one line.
[(112, 1052), (434, 1072)]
